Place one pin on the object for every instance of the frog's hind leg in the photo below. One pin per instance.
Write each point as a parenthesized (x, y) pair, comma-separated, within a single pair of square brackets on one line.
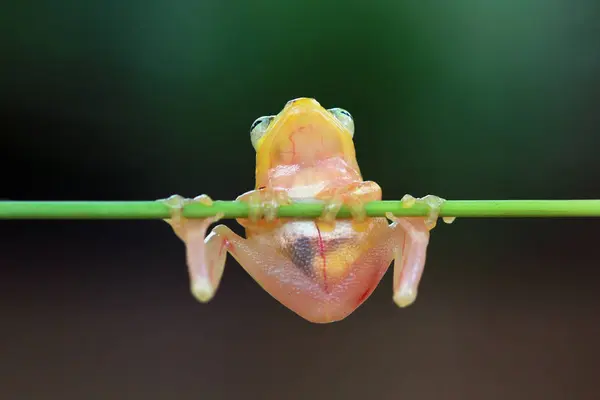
[(205, 254), (206, 257), (411, 238)]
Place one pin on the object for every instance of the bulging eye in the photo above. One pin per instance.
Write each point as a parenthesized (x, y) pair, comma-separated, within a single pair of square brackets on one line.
[(258, 129), (345, 119)]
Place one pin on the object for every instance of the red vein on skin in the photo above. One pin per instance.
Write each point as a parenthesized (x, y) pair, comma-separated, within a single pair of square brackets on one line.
[(226, 244), (292, 141), (364, 295), (322, 254)]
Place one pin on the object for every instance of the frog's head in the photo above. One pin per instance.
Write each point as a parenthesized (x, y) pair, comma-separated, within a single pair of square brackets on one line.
[(302, 134)]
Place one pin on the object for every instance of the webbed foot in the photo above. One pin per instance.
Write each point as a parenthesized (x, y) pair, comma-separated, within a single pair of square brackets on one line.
[(177, 221)]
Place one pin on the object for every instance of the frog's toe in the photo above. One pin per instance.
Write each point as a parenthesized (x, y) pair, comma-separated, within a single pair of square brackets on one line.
[(391, 217), (255, 207), (357, 208), (255, 211), (175, 203), (408, 201), (265, 204), (335, 201), (331, 209), (204, 199), (270, 209), (434, 203)]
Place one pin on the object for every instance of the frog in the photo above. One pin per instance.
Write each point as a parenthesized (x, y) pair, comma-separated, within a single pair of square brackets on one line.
[(320, 268)]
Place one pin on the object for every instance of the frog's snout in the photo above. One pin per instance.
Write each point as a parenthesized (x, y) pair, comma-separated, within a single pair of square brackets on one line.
[(302, 101), (289, 103)]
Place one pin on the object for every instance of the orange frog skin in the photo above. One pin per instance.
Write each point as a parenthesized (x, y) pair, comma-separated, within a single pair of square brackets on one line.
[(321, 269)]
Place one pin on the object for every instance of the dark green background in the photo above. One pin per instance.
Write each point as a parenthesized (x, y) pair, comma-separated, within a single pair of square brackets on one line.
[(137, 100)]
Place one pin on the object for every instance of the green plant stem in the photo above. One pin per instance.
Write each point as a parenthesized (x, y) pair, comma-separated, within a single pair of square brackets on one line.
[(234, 209)]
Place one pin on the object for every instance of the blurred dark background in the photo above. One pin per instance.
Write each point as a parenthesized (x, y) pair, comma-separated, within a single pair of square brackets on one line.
[(112, 100)]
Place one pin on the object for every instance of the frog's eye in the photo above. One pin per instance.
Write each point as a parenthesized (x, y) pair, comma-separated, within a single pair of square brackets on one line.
[(258, 129), (345, 119)]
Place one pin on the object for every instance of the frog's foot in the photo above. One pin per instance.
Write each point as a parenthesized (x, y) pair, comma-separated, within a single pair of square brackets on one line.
[(265, 203), (434, 204), (178, 222)]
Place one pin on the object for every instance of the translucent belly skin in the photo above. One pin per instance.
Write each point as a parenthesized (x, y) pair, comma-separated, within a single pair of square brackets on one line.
[(320, 273)]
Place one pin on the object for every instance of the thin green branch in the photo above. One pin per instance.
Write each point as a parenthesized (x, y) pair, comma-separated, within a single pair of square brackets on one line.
[(234, 209)]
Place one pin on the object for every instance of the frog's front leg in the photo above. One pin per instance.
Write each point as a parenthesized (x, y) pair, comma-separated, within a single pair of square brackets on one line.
[(205, 255), (411, 238), (263, 206)]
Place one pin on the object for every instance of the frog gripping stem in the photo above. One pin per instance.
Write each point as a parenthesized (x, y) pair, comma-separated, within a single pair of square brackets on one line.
[(205, 255), (411, 247)]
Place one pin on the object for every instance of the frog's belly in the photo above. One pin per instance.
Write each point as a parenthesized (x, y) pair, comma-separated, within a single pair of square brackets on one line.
[(326, 273), (321, 251)]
